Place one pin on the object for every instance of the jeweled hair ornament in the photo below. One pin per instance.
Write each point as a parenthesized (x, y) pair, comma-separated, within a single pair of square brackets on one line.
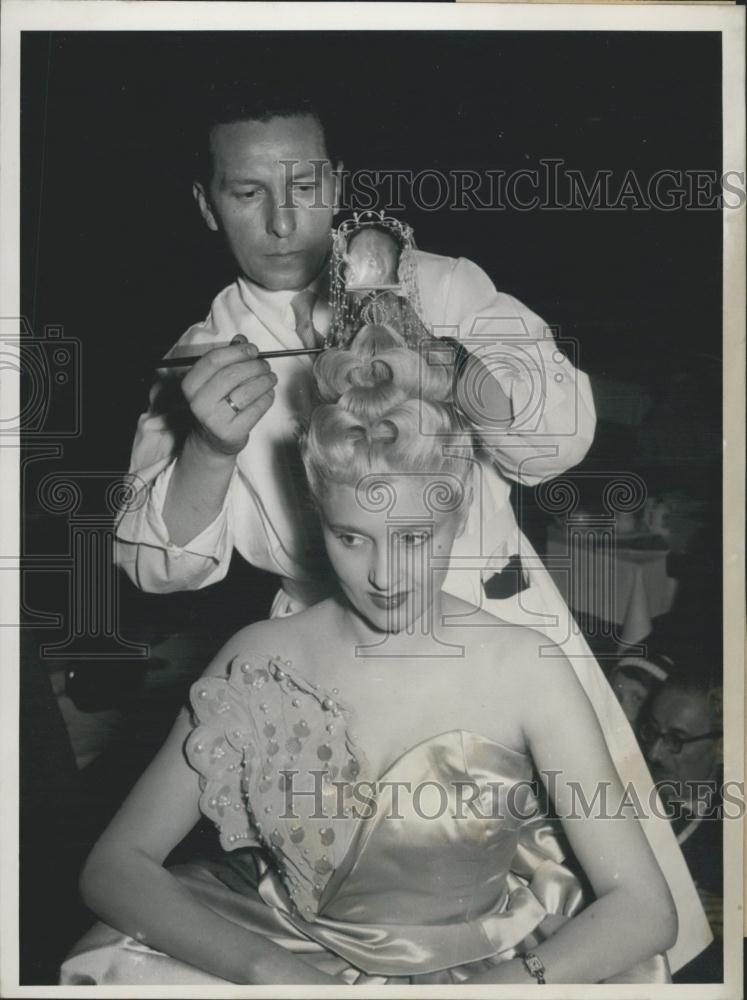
[(373, 282), (373, 279)]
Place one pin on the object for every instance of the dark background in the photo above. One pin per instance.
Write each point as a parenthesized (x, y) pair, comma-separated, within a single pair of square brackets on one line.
[(114, 251)]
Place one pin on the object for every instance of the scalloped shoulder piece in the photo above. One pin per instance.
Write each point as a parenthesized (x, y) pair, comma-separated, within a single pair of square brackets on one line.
[(276, 764), (221, 749)]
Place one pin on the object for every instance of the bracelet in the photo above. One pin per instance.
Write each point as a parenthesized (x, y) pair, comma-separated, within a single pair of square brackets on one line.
[(534, 967)]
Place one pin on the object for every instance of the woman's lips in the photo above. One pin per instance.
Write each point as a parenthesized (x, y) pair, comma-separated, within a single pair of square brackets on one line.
[(388, 602)]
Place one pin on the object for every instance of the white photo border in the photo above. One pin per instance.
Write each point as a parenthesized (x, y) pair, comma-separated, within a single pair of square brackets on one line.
[(120, 15)]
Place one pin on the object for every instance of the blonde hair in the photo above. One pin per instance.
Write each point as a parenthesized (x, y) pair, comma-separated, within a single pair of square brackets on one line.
[(382, 409)]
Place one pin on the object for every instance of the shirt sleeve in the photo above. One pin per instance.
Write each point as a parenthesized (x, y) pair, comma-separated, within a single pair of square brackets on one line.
[(552, 421), (143, 548)]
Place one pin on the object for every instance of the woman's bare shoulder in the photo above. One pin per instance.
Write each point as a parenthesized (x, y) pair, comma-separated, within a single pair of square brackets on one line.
[(286, 638), (493, 636)]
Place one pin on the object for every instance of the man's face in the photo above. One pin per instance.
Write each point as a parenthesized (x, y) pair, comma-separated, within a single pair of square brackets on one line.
[(271, 201), (686, 714)]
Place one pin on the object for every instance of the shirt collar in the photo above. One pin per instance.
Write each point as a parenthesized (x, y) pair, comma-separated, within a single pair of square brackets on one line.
[(278, 303)]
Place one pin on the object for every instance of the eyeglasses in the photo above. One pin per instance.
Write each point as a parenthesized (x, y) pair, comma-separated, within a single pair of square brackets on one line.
[(648, 734)]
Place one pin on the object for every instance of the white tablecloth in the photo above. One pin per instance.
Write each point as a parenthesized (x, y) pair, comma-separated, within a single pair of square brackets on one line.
[(598, 576)]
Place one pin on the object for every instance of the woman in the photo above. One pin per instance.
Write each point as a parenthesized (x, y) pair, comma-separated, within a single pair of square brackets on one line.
[(375, 754)]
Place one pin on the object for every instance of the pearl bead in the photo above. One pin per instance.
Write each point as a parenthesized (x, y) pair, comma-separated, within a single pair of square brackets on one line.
[(268, 809), (296, 703), (245, 668), (328, 704), (203, 693)]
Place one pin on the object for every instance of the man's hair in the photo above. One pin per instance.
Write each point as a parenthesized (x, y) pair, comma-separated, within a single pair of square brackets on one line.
[(242, 101)]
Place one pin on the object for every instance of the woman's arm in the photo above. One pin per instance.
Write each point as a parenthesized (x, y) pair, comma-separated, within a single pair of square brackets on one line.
[(125, 883), (633, 917)]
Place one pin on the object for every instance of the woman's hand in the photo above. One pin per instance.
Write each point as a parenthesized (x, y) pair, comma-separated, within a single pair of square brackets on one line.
[(510, 973)]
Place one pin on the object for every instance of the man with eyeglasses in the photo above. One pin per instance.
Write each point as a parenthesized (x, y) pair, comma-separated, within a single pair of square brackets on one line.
[(681, 740)]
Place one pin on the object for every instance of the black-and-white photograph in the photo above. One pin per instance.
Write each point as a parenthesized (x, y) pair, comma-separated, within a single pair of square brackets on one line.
[(370, 440)]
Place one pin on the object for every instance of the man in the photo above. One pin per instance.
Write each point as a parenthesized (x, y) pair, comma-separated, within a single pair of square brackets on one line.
[(635, 678), (228, 476), (228, 479), (681, 738)]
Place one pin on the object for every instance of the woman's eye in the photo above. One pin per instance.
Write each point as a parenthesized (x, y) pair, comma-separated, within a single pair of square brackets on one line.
[(350, 541)]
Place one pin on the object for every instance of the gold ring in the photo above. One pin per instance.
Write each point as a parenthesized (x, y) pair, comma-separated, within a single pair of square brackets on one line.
[(231, 403)]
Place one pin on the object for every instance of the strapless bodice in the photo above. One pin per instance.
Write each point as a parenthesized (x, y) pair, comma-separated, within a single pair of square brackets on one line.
[(429, 872), (427, 865)]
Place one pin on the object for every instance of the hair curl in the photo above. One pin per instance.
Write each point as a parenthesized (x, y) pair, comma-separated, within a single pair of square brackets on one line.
[(382, 408)]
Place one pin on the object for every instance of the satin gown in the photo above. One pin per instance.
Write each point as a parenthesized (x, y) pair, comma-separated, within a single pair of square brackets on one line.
[(440, 866)]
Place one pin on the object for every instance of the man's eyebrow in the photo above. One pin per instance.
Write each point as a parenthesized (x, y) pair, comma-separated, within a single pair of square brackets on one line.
[(228, 179), (303, 173)]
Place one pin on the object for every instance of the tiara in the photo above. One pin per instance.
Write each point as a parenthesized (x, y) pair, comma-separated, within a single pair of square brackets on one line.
[(375, 280)]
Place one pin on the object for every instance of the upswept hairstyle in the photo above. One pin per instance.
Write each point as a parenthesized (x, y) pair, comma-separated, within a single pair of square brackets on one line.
[(382, 409)]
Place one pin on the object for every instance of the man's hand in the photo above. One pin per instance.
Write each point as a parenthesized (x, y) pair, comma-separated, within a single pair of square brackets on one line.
[(228, 391)]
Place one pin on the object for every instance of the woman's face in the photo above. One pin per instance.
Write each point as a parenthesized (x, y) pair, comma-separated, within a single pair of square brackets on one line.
[(383, 542)]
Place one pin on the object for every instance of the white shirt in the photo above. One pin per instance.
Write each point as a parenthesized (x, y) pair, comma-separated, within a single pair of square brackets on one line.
[(265, 515)]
